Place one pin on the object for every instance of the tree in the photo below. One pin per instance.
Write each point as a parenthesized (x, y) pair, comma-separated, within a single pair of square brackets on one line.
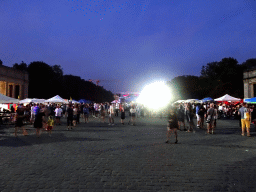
[(249, 64), (1, 62), (22, 66)]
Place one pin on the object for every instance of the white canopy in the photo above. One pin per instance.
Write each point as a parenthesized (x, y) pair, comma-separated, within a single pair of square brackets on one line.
[(34, 100), (227, 98), (115, 101), (6, 99), (56, 99), (180, 101), (192, 101)]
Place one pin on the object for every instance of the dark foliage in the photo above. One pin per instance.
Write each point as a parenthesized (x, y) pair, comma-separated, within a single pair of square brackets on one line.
[(46, 81), (217, 79)]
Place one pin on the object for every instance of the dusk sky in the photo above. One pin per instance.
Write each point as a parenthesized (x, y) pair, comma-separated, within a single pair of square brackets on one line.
[(127, 43)]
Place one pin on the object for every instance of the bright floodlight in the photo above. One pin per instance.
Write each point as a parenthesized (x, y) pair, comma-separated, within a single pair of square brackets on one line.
[(155, 96)]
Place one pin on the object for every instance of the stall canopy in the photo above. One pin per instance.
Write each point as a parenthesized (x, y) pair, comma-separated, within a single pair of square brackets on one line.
[(180, 101), (207, 99), (34, 100), (6, 99), (227, 98), (192, 101), (251, 100), (56, 99)]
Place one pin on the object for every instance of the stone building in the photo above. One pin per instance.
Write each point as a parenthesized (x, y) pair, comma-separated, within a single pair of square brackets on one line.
[(249, 83), (13, 82)]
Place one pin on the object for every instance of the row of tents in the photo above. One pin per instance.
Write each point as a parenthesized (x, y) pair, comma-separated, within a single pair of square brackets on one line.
[(224, 98), (55, 99)]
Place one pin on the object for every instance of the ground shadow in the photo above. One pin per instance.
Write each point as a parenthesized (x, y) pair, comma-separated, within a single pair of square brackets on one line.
[(11, 141)]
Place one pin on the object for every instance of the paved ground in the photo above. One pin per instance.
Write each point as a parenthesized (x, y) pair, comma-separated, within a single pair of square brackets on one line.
[(98, 157)]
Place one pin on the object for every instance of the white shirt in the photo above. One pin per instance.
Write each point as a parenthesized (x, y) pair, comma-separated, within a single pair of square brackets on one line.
[(58, 112)]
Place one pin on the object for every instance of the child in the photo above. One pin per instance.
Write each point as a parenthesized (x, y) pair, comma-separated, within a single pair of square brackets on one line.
[(50, 124), (172, 125)]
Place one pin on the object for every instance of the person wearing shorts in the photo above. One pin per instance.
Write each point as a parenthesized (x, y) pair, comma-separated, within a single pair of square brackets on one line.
[(210, 119), (133, 115), (58, 112)]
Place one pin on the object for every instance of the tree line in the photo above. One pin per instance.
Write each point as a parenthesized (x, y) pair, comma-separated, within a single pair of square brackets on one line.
[(46, 81), (216, 79)]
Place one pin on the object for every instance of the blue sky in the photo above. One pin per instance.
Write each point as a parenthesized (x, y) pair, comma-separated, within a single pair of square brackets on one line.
[(127, 44)]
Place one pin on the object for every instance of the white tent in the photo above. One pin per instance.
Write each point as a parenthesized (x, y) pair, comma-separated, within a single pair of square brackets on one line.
[(56, 99), (192, 101), (5, 99), (34, 100), (227, 98), (180, 101)]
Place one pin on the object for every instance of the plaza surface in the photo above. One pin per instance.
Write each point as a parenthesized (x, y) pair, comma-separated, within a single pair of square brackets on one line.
[(99, 157)]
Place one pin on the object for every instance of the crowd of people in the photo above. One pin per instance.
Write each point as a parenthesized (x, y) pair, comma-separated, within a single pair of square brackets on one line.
[(45, 116), (181, 117)]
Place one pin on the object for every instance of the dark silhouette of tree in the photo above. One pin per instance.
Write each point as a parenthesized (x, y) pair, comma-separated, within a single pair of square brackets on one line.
[(249, 64), (47, 81), (1, 62), (22, 66), (41, 82)]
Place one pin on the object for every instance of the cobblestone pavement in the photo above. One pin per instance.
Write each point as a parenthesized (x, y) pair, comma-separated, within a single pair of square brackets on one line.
[(99, 157)]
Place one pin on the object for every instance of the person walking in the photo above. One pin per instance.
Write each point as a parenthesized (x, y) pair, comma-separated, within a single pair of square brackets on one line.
[(86, 113), (172, 125), (102, 112), (38, 124), (122, 114), (58, 113), (75, 112), (19, 121), (50, 124), (111, 114), (190, 116), (69, 113), (244, 111), (133, 115), (181, 117), (210, 119)]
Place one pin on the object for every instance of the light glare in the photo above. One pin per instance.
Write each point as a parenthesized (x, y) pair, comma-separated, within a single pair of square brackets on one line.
[(155, 96)]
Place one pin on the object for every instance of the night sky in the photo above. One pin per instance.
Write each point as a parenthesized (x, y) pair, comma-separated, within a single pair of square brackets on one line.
[(127, 44)]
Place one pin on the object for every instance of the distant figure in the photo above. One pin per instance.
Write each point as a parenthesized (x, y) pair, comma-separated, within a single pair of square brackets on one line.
[(181, 117), (172, 125), (86, 113), (122, 114), (58, 113), (69, 113), (50, 124), (245, 119), (111, 114), (38, 124), (19, 121), (210, 119), (133, 115)]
